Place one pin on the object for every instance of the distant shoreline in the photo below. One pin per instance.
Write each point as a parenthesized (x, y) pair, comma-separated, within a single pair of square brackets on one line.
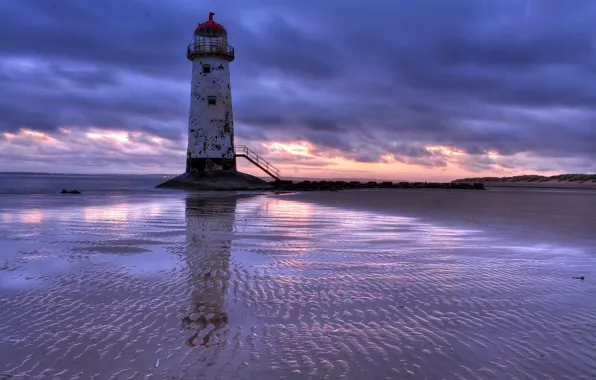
[(544, 185), (561, 181), (84, 174)]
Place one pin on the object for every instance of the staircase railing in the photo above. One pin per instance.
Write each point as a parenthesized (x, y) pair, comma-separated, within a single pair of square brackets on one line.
[(243, 151)]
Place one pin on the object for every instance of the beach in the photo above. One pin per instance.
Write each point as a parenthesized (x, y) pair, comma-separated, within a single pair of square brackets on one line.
[(141, 283), (529, 214)]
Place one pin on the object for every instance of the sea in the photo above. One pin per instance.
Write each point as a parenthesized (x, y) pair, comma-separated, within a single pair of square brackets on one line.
[(127, 281)]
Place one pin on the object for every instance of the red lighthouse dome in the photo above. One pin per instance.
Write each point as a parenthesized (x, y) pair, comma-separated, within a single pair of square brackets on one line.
[(210, 39), (210, 25)]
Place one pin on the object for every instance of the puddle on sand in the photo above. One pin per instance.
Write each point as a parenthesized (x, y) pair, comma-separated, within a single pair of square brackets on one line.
[(268, 288)]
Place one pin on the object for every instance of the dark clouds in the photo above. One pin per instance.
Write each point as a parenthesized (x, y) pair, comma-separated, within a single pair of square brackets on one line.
[(510, 76)]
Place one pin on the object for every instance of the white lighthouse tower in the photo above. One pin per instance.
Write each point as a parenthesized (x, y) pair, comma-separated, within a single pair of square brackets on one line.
[(211, 122), (210, 155)]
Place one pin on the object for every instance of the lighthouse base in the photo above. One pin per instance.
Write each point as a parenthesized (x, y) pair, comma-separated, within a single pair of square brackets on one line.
[(216, 180)]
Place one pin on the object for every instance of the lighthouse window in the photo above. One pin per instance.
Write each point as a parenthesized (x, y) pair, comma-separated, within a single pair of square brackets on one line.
[(211, 100), (206, 69)]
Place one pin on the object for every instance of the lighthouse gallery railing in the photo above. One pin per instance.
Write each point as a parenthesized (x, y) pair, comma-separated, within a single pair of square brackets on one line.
[(243, 151), (210, 47)]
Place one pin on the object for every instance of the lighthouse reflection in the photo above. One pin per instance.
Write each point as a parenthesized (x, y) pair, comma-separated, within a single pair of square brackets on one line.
[(210, 224)]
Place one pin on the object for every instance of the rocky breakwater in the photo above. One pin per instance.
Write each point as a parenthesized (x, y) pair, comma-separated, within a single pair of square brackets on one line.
[(344, 185)]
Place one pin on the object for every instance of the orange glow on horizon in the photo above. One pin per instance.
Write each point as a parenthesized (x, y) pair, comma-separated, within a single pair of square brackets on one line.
[(333, 164), (295, 159)]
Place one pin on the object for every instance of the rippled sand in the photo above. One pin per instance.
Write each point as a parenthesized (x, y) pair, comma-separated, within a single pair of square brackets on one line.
[(284, 287)]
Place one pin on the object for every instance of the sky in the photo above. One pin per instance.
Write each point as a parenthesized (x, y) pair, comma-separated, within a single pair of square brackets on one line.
[(396, 90)]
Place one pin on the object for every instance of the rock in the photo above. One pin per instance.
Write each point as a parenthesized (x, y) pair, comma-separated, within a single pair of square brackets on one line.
[(70, 192), (217, 180)]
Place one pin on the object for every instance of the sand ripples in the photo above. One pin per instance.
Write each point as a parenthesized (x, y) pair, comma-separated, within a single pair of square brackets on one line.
[(269, 288)]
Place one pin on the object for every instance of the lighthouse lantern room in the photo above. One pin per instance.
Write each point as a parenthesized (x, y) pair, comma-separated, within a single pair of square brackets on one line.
[(210, 123)]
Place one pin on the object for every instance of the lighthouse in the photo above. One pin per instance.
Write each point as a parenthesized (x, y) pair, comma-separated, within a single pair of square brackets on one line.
[(210, 154), (211, 121)]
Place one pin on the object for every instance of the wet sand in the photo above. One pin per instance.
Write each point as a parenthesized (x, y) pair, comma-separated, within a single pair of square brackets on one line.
[(379, 284), (567, 216)]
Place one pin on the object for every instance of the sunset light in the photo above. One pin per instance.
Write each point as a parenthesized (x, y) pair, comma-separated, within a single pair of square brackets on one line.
[(35, 134), (445, 150), (121, 137), (297, 149)]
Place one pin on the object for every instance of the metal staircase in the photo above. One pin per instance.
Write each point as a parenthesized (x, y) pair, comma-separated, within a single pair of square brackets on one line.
[(260, 162)]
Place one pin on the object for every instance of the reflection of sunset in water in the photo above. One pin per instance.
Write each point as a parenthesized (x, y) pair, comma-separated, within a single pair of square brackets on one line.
[(154, 209), (6, 217), (122, 212), (297, 213), (288, 209), (32, 216), (117, 213)]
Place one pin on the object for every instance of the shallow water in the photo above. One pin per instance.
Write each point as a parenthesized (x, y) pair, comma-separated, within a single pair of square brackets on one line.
[(178, 286)]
